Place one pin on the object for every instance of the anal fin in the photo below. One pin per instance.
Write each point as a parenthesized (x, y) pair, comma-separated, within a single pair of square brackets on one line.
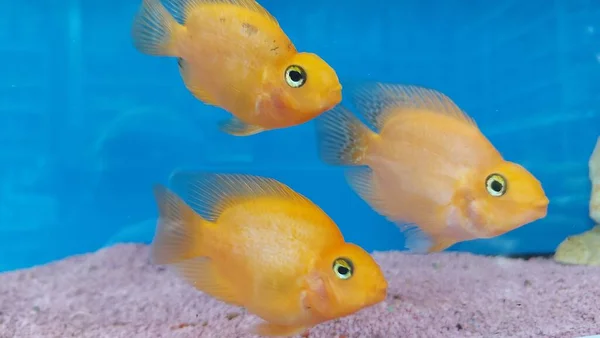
[(236, 127), (202, 273), (418, 241), (415, 240), (192, 84)]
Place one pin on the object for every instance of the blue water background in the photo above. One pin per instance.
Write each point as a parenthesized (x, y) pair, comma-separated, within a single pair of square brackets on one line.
[(88, 124)]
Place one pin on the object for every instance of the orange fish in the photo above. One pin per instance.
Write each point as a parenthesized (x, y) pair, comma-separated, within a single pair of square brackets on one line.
[(266, 248), (594, 164), (233, 54), (428, 168)]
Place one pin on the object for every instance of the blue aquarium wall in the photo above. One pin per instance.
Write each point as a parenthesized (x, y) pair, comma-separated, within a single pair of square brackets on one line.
[(88, 124)]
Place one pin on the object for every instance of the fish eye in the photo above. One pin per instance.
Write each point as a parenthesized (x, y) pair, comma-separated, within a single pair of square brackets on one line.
[(496, 185), (295, 76), (343, 268)]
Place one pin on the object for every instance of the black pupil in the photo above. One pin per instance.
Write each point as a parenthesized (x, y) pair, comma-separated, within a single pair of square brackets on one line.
[(342, 270), (295, 75), (496, 186)]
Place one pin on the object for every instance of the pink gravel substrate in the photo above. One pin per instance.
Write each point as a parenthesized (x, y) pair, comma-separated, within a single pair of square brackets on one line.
[(116, 292)]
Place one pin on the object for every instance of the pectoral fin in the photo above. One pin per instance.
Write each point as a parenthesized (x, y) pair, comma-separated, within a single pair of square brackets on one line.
[(236, 127)]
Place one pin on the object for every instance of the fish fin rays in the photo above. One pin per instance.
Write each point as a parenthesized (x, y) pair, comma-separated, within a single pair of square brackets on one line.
[(204, 275), (154, 30), (377, 102), (182, 8), (179, 230), (417, 241), (341, 137), (210, 194), (237, 127)]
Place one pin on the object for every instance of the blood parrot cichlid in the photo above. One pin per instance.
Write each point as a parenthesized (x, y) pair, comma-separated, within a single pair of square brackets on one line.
[(427, 167), (233, 54), (264, 247)]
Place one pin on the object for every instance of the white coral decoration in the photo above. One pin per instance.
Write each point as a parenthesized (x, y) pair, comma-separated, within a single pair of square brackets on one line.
[(595, 178)]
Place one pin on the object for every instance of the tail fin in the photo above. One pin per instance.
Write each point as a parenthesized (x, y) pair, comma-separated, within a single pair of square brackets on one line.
[(342, 138), (154, 30), (178, 231)]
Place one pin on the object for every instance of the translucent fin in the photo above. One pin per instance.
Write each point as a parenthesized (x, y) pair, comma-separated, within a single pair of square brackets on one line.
[(154, 30), (376, 101), (415, 240), (361, 180), (237, 127), (342, 138), (275, 330), (182, 8), (178, 230), (210, 193), (205, 276), (418, 241), (192, 84)]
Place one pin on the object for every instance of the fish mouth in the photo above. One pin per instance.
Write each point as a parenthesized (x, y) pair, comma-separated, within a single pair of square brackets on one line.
[(540, 207), (336, 88), (332, 98), (379, 294)]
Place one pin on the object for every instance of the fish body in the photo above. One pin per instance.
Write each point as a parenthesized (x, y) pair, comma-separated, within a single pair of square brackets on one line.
[(427, 167), (264, 247), (594, 165), (233, 54)]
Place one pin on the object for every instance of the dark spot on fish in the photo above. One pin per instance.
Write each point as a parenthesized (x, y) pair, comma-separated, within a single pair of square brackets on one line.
[(274, 49), (232, 315), (527, 282), (250, 29), (396, 297), (222, 20), (180, 62), (459, 327)]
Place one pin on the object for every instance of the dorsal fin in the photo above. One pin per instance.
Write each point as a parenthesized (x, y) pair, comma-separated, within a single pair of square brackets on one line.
[(181, 8), (210, 194), (375, 101)]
